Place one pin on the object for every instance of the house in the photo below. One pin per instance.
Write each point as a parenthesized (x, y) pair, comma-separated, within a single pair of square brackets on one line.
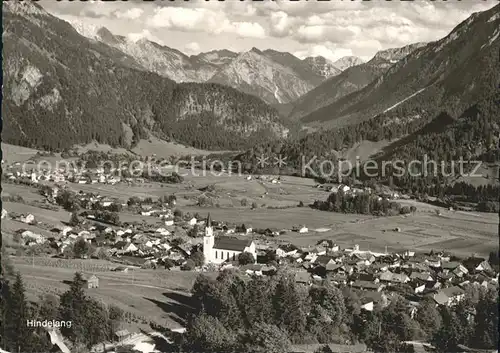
[(391, 277), (476, 264), (301, 229), (220, 249), (169, 222), (303, 277), (422, 276), (29, 219), (418, 286), (371, 298), (122, 335), (125, 246), (365, 285), (284, 252), (449, 296), (4, 213), (192, 221), (92, 282), (271, 232)]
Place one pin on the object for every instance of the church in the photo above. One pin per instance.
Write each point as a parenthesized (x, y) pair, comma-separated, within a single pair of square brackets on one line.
[(221, 249)]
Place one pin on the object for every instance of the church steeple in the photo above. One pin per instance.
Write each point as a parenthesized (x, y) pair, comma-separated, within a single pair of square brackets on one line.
[(208, 222), (208, 241)]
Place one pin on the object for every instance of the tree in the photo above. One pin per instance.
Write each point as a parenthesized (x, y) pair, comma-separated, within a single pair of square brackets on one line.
[(301, 204), (81, 248), (68, 201), (486, 321), (254, 205), (244, 202), (327, 311), (134, 200), (289, 310), (264, 338), (246, 258), (16, 315), (198, 258), (189, 265), (74, 220), (95, 323), (168, 263), (450, 334), (73, 308), (428, 317), (405, 210), (175, 178), (207, 334), (193, 232)]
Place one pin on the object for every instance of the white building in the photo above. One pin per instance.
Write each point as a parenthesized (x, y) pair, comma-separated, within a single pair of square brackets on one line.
[(220, 249)]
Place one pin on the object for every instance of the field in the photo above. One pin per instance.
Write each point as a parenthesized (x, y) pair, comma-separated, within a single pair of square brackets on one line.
[(459, 232), (160, 296)]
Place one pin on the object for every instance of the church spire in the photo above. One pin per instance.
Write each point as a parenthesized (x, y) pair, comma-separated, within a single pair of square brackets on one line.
[(208, 222)]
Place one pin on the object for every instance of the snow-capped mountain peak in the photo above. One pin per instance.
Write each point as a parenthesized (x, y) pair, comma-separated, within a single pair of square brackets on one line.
[(88, 30), (347, 62)]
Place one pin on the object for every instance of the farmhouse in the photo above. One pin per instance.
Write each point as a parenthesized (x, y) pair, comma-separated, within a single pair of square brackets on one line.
[(92, 282), (220, 249)]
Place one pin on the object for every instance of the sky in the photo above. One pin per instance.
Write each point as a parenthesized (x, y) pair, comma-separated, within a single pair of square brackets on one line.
[(304, 28)]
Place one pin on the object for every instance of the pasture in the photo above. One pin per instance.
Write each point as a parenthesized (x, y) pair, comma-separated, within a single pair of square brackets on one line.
[(160, 296), (459, 232)]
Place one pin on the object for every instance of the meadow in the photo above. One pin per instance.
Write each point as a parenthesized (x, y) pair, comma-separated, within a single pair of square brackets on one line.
[(158, 296), (162, 296)]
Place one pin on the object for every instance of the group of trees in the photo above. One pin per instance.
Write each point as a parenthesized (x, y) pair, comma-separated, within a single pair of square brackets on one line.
[(269, 314), (363, 203), (103, 216), (91, 321)]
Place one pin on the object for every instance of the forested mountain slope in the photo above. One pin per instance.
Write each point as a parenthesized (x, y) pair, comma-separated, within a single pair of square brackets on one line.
[(450, 74), (350, 80)]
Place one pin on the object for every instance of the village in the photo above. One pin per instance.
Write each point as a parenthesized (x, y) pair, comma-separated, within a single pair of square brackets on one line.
[(164, 238)]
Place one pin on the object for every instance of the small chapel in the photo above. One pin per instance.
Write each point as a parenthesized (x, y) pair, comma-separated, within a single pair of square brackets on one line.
[(219, 249)]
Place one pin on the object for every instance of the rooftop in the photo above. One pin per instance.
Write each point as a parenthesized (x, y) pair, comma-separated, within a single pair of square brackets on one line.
[(233, 244)]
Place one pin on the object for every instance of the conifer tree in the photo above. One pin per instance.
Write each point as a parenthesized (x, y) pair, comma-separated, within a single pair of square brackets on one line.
[(16, 316)]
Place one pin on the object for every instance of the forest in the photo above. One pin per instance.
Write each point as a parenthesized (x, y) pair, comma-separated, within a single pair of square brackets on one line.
[(269, 315)]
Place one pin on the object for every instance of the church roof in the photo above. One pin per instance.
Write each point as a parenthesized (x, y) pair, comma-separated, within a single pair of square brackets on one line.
[(208, 222), (233, 244)]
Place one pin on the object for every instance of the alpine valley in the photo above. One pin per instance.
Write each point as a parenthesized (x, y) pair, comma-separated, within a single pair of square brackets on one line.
[(120, 91)]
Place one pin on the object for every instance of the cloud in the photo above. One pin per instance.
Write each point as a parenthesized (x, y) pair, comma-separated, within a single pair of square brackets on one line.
[(145, 34), (319, 33), (192, 48), (328, 51), (361, 26), (203, 20), (247, 29), (280, 24), (130, 14)]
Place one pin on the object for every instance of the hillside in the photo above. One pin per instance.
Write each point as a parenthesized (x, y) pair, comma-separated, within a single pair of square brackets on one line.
[(352, 79), (154, 57), (53, 76), (243, 71), (255, 73), (450, 74), (346, 62)]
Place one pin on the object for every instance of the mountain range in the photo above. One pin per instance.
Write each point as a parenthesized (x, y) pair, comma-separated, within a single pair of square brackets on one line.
[(450, 74), (54, 77), (284, 79), (94, 85), (352, 79)]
